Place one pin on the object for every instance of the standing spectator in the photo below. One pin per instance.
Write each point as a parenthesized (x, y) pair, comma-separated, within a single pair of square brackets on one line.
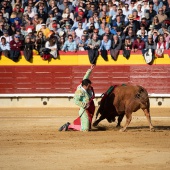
[(70, 44), (138, 44), (127, 47), (1, 28), (15, 48)]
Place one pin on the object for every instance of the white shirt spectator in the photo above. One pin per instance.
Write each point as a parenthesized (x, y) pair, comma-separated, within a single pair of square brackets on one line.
[(8, 38), (4, 47)]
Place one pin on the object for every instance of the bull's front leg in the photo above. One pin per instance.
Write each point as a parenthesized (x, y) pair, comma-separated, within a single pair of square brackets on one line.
[(120, 118), (128, 120), (97, 121), (147, 114)]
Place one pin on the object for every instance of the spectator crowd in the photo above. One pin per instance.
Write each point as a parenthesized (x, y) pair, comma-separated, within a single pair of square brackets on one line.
[(95, 26)]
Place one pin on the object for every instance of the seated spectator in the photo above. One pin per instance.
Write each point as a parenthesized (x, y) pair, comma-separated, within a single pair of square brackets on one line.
[(18, 7), (21, 37), (82, 46), (35, 19), (139, 10), (128, 43), (39, 25), (61, 42), (144, 37), (26, 19), (31, 35), (161, 46), (75, 37), (57, 13), (50, 18), (167, 37), (17, 23), (28, 48), (145, 22), (4, 14), (136, 17), (79, 30), (30, 4), (70, 44), (135, 24), (52, 45), (7, 37), (145, 6), (161, 16), (4, 47), (102, 29), (157, 5), (45, 30), (65, 18), (163, 29), (31, 12), (155, 36), (93, 44), (116, 45), (120, 34), (127, 47), (151, 12), (91, 22), (67, 28), (131, 35), (149, 44), (105, 46), (15, 47), (70, 14), (42, 14), (126, 10), (151, 28), (107, 33), (40, 41), (138, 44), (156, 23), (142, 29), (23, 30)]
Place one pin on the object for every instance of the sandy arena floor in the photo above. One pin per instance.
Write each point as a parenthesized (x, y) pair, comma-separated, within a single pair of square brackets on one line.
[(29, 139)]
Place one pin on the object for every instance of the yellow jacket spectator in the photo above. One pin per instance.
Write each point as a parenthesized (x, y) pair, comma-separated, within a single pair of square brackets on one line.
[(45, 30)]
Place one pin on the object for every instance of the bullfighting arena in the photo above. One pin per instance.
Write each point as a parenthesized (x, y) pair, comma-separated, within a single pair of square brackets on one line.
[(29, 139)]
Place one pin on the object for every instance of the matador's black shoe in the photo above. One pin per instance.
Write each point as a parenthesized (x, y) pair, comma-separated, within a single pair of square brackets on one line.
[(64, 127)]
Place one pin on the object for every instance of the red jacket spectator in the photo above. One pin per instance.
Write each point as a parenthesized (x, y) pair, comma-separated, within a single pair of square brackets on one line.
[(138, 44), (16, 44)]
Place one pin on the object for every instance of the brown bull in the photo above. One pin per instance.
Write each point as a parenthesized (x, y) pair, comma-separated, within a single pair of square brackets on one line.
[(124, 100)]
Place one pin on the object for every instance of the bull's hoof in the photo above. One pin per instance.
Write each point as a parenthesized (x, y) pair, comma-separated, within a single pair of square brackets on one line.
[(152, 129), (122, 130), (118, 126), (95, 124)]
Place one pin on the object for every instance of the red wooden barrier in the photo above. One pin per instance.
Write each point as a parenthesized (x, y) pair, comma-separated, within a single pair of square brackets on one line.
[(64, 79)]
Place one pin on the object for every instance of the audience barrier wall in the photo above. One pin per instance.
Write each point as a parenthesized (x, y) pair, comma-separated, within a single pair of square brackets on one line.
[(62, 75)]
